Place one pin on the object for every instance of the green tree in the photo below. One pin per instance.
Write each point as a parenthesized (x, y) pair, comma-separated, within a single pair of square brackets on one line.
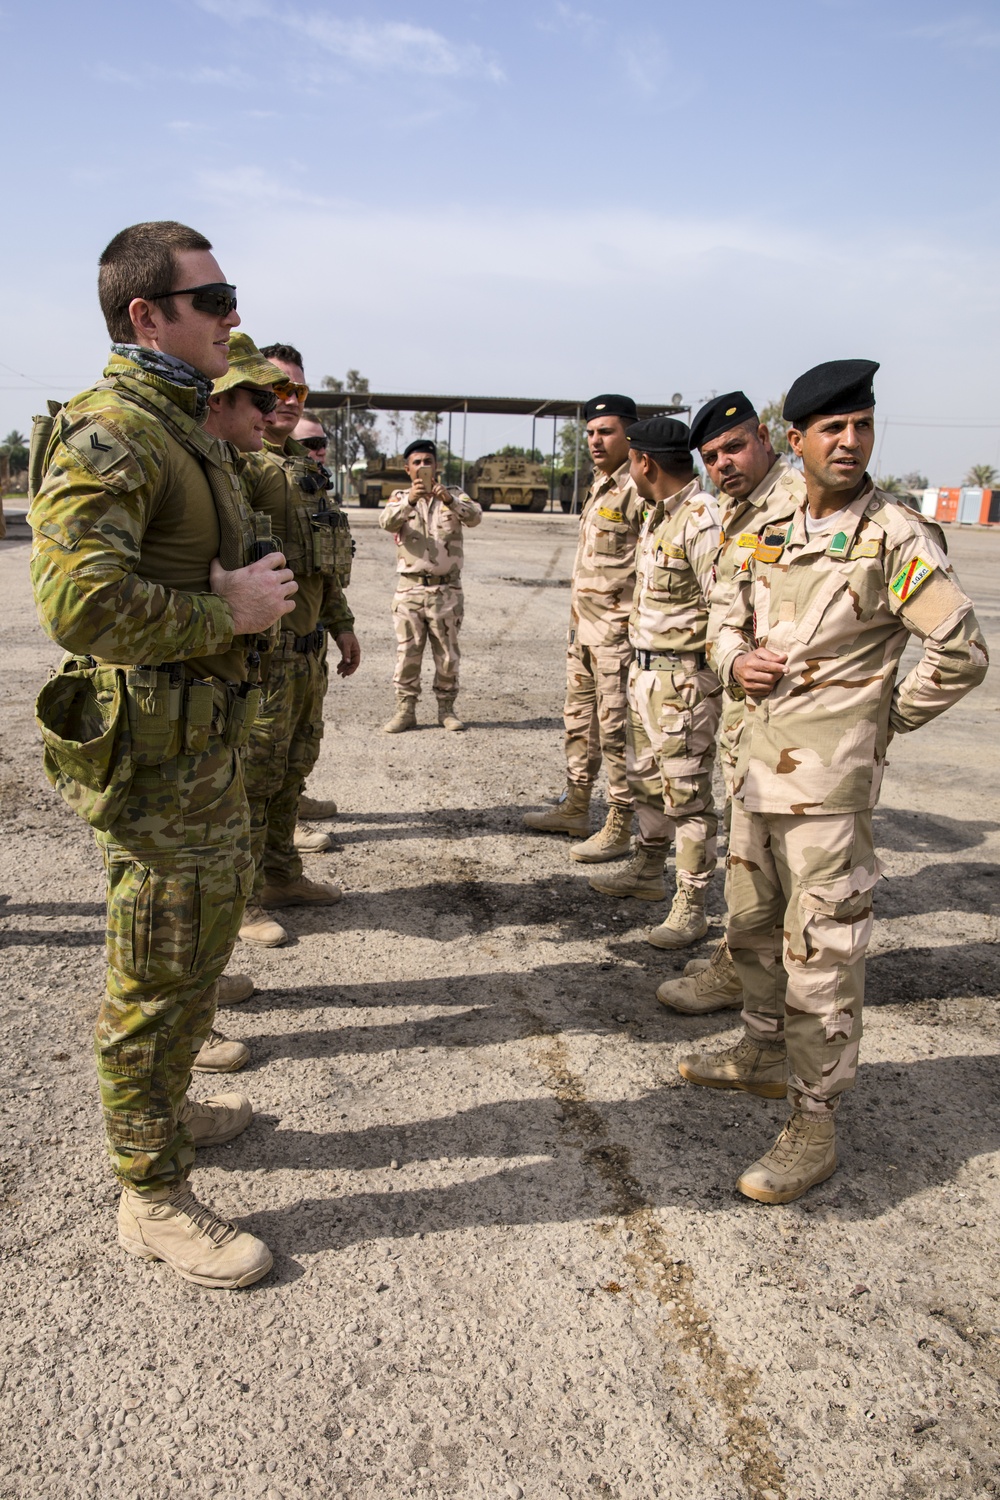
[(776, 425), (573, 436), (982, 475), (510, 450), (893, 485), (916, 481), (352, 435), (15, 449)]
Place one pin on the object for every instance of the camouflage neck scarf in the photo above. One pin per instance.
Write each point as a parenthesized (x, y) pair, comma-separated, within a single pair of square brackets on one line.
[(169, 367)]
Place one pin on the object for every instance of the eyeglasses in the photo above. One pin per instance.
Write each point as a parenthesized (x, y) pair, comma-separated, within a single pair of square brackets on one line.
[(317, 444), (293, 391), (265, 401), (216, 297)]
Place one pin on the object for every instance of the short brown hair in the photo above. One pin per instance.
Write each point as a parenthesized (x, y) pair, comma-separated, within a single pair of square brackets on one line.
[(139, 262)]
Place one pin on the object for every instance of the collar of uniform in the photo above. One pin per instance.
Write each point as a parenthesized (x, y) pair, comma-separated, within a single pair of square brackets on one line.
[(758, 497), (615, 481), (855, 515), (281, 449), (670, 507), (183, 396)]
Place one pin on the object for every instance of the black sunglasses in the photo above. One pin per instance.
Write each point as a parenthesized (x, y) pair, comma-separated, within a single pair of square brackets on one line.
[(265, 401), (316, 443), (217, 297)]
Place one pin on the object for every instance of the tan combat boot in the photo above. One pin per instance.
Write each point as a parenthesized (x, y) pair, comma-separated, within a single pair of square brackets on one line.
[(214, 1121), (172, 1226), (234, 989), (315, 809), (311, 840), (609, 842), (714, 985), (220, 1055), (571, 814), (447, 717), (405, 716), (749, 1066), (301, 892), (260, 929), (642, 877), (685, 923), (804, 1153)]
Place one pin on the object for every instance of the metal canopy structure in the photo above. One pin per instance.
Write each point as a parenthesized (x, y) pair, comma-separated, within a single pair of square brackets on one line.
[(450, 406), (514, 406)]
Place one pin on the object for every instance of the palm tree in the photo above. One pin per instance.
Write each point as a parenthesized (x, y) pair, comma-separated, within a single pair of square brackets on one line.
[(982, 476)]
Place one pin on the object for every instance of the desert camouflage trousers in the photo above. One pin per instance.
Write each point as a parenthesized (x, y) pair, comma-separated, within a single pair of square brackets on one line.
[(284, 746), (419, 613), (178, 875), (730, 731), (806, 883), (673, 716), (595, 714)]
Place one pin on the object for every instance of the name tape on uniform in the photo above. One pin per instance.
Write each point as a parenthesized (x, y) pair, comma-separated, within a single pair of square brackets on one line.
[(610, 515)]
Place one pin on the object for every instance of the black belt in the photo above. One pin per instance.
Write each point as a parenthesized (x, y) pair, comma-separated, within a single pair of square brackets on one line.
[(311, 642), (429, 580), (650, 660)]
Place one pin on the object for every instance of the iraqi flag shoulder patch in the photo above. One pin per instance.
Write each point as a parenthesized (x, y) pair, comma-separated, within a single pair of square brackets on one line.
[(910, 577)]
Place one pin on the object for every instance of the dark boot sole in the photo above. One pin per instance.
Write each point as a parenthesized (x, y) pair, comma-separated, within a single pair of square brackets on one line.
[(628, 895), (762, 1090)]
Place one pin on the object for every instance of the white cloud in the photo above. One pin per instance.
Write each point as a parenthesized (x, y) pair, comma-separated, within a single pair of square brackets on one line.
[(373, 46)]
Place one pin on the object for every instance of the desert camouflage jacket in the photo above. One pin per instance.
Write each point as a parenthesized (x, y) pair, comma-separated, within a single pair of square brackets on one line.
[(604, 570), (428, 533), (675, 564), (126, 523), (842, 607)]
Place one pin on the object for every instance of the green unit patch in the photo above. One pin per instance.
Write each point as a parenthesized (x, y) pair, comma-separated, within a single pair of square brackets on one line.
[(839, 545)]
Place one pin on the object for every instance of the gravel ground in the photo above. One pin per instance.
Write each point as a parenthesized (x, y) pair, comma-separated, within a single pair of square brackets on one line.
[(509, 1258)]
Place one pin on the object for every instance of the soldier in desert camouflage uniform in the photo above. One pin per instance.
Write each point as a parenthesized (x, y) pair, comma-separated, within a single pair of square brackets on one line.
[(757, 488), (141, 566), (599, 654), (426, 522), (673, 695), (285, 483), (824, 610)]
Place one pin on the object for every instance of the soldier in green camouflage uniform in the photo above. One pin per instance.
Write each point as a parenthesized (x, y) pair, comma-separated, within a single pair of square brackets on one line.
[(825, 607), (426, 524), (142, 567), (285, 483), (757, 488), (598, 654), (673, 694)]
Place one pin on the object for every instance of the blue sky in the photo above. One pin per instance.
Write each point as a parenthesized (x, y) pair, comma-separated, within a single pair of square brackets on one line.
[(546, 198)]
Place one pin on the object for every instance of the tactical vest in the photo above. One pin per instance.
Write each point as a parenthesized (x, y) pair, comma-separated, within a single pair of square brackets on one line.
[(317, 536)]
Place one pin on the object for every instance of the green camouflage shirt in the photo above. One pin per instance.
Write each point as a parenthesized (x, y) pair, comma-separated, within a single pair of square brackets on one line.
[(125, 527)]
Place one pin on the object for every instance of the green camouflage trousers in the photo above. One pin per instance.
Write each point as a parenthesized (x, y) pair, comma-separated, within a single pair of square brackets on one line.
[(673, 715), (420, 613), (178, 875), (594, 715), (806, 883), (283, 748)]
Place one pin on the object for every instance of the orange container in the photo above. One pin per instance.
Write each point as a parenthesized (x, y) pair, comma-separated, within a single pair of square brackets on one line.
[(947, 506), (989, 513)]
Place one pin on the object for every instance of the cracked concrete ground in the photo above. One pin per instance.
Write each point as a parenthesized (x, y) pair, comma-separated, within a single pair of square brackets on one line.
[(509, 1258)]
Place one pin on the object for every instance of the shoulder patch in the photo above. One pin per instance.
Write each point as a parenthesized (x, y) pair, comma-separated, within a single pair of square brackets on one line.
[(103, 453), (910, 577)]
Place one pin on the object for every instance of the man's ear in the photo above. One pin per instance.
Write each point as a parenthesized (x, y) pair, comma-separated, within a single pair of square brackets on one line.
[(145, 318)]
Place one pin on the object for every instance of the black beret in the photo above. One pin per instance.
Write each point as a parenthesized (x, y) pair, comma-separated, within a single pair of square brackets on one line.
[(831, 390), (610, 406), (660, 435), (420, 445), (720, 415)]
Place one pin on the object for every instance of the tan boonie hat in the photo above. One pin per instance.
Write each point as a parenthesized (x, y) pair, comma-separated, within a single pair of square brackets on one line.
[(247, 366)]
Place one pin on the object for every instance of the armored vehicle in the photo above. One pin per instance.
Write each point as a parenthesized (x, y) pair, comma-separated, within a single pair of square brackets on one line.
[(508, 479), (377, 480)]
